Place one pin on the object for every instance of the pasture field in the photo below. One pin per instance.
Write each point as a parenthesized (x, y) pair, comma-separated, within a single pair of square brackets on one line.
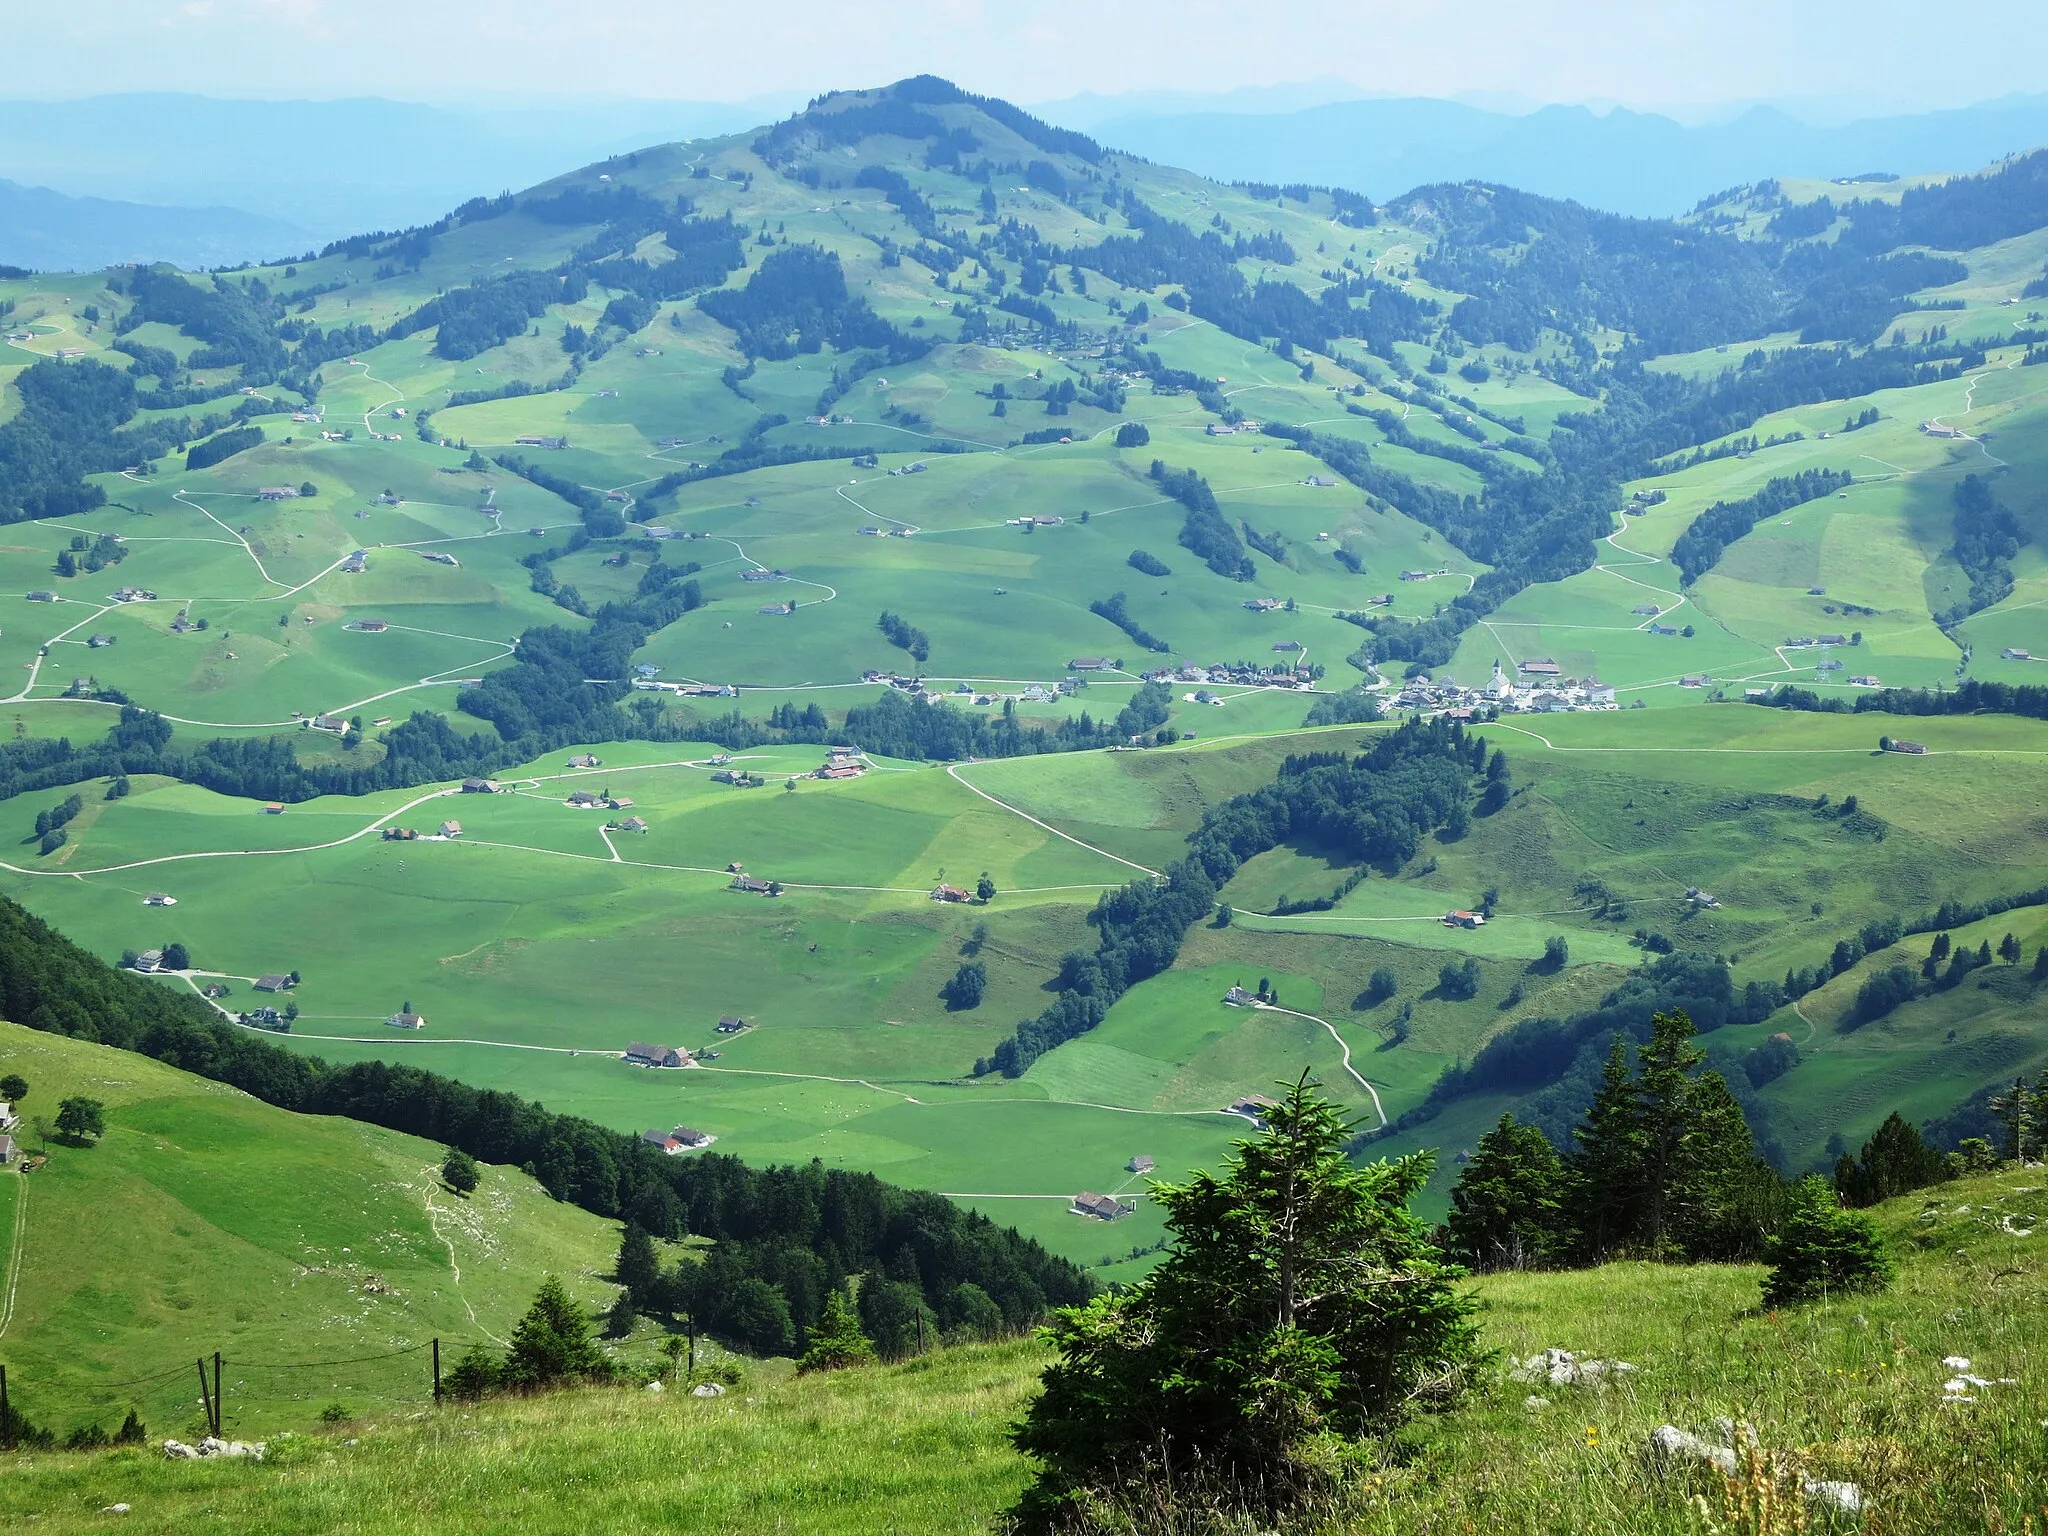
[(538, 944), (320, 1256)]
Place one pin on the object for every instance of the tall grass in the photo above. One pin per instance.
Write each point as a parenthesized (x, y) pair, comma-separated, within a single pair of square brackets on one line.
[(1850, 1389)]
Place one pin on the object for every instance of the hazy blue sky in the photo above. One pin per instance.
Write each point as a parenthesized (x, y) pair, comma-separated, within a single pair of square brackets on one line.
[(1649, 53)]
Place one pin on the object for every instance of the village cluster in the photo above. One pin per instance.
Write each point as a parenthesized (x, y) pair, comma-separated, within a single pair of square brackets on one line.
[(1538, 687)]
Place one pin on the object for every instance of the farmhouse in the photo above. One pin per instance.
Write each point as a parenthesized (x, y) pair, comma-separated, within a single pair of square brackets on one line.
[(1253, 1107), (2014, 653), (1462, 919), (451, 829), (7, 1151), (270, 981), (764, 575), (944, 892), (839, 771), (642, 1054), (582, 799), (1693, 680), (630, 824), (1262, 604), (1542, 666), (1320, 482), (480, 786), (273, 809), (1088, 664), (439, 558), (329, 723), (1237, 997), (1646, 610), (1910, 748), (1101, 1207), (278, 493), (42, 597), (584, 760), (406, 1019), (159, 899), (356, 563), (775, 610), (1864, 680), (1663, 629), (541, 442), (149, 960), (731, 1024), (753, 886), (1415, 575), (368, 626), (1140, 1164), (400, 835), (1287, 646), (681, 1139)]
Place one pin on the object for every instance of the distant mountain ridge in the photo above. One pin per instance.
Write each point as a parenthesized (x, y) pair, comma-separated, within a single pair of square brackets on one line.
[(1624, 162), (47, 231)]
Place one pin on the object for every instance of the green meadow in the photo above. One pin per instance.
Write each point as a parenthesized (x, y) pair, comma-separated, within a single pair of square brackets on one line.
[(320, 1257)]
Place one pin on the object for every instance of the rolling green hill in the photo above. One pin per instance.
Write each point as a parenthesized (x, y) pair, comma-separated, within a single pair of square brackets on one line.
[(319, 1256), (697, 417)]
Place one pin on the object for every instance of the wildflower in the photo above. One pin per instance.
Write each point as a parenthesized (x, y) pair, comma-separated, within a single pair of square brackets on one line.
[(1956, 1362)]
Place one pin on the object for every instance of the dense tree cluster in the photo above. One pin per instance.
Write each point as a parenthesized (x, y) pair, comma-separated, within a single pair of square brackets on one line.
[(224, 445), (1114, 609), (1987, 538), (1206, 531), (1700, 547), (796, 302), (480, 316), (1662, 1166), (905, 636)]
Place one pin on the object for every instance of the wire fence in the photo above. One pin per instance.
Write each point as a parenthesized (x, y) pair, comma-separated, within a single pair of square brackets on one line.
[(218, 1375)]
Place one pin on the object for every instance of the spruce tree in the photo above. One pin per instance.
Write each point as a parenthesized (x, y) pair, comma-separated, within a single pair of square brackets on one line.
[(836, 1340), (552, 1342), (1722, 1201), (1822, 1250), (1894, 1161), (2014, 1110), (639, 1270), (1605, 1171), (1299, 1306), (1505, 1210), (1663, 1090)]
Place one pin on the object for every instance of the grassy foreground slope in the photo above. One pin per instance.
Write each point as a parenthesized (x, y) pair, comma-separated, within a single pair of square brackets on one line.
[(206, 1220), (1854, 1389)]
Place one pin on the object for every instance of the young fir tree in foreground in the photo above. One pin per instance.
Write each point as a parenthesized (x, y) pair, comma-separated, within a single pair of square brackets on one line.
[(1822, 1250), (1300, 1306), (836, 1340)]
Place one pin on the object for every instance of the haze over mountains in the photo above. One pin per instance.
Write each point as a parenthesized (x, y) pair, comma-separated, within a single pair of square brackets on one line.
[(1626, 162), (141, 176)]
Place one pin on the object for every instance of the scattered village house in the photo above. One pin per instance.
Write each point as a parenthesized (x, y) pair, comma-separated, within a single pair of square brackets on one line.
[(681, 1139), (480, 786), (406, 1019), (451, 829), (944, 892), (641, 1054), (1140, 1164), (270, 981), (1101, 1207), (731, 1024)]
